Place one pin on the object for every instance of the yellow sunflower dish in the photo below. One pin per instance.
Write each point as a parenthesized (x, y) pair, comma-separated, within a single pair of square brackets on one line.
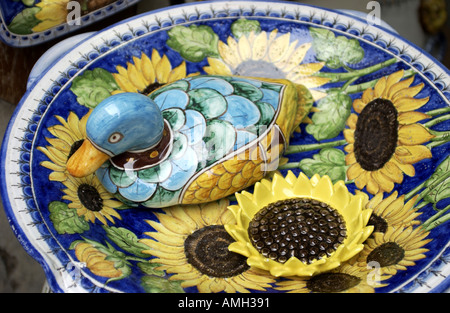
[(296, 226), (384, 138)]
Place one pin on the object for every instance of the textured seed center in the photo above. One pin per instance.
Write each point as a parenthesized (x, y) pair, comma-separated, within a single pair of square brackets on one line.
[(90, 197), (299, 227), (376, 134), (207, 250)]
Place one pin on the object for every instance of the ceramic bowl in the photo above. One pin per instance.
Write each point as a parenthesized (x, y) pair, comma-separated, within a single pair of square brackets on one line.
[(379, 126), (26, 23)]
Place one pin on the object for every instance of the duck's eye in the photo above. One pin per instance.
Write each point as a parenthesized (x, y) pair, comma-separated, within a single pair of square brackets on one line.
[(115, 137)]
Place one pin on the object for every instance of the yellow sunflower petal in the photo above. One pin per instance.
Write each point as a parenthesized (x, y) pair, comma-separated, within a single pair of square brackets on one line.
[(163, 69), (399, 86), (407, 92), (136, 77), (259, 47), (412, 154), (278, 47), (412, 117), (409, 104), (391, 80), (414, 134), (230, 52), (384, 183), (147, 69), (178, 73), (245, 51), (297, 57), (217, 67)]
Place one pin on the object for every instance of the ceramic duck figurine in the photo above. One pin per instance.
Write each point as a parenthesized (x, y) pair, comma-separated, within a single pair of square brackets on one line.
[(195, 140)]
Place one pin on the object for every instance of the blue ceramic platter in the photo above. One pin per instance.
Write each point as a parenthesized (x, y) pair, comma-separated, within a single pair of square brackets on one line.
[(380, 122), (30, 22)]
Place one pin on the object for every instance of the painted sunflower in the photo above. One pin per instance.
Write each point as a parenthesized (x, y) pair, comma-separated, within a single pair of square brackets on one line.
[(297, 226), (96, 260), (394, 250), (90, 199), (52, 13), (345, 279), (191, 243), (384, 140), (260, 54), (69, 135), (392, 211), (147, 74)]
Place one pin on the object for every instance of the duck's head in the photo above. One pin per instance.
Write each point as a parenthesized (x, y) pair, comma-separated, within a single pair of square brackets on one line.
[(120, 123)]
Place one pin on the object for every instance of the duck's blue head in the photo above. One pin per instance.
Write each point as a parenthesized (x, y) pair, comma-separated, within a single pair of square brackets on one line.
[(125, 122), (120, 123)]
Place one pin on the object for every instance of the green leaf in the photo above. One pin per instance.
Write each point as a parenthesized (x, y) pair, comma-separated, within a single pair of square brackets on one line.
[(335, 51), (93, 87), (150, 269), (245, 27), (334, 110), (328, 161), (24, 22), (154, 284), (126, 240), (66, 220), (438, 185), (194, 43)]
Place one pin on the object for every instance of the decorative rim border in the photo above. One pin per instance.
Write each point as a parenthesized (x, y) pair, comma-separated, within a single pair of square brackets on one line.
[(17, 40), (16, 184)]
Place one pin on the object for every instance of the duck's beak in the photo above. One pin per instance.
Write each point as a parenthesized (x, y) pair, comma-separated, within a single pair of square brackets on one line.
[(86, 160)]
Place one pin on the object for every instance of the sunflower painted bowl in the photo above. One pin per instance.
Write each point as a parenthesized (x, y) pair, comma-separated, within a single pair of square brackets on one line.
[(379, 127), (26, 23)]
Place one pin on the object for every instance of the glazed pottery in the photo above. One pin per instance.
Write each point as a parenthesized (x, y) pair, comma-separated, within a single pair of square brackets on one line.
[(26, 23), (377, 132), (195, 140)]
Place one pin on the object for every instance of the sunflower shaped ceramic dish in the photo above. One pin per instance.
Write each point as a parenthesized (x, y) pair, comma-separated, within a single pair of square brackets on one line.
[(379, 124)]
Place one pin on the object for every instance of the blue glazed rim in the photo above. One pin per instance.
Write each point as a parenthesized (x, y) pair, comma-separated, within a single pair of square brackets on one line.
[(28, 243)]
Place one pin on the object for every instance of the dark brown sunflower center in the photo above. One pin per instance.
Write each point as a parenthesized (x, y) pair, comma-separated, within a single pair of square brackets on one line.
[(298, 227), (207, 250), (151, 88), (75, 146), (332, 282), (387, 254), (376, 134), (90, 198), (379, 224)]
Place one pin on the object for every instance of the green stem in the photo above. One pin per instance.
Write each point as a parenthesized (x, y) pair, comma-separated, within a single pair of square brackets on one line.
[(438, 111), (439, 139), (437, 120), (372, 83), (338, 77), (430, 187), (314, 146), (436, 219)]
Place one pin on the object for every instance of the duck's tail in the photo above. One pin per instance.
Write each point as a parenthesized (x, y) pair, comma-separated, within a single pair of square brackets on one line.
[(305, 103)]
